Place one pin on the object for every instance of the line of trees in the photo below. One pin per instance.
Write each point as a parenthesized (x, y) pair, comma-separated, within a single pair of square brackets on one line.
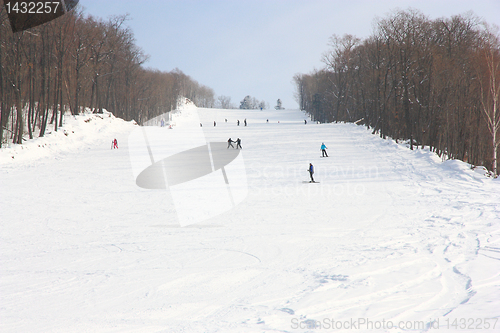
[(435, 83), (79, 61)]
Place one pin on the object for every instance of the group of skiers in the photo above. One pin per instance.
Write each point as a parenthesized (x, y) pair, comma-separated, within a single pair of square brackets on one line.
[(244, 122), (311, 166), (237, 122), (230, 143)]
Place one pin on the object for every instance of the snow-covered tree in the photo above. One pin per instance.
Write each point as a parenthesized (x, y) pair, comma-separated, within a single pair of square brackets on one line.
[(246, 103), (251, 103), (278, 105)]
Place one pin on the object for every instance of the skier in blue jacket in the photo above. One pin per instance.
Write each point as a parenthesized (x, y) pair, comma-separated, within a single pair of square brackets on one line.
[(323, 150)]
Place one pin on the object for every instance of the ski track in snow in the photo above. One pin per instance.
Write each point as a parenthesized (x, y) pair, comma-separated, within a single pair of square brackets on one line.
[(387, 234)]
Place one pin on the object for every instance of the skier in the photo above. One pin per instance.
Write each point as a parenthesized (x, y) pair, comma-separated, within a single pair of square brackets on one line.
[(214, 123), (323, 150), (230, 143), (238, 143), (238, 122), (115, 144), (311, 171), (305, 122), (245, 121), (267, 121), (162, 123), (201, 125)]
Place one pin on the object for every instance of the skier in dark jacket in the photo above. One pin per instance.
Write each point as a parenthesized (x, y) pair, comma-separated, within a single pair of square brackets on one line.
[(311, 171), (238, 143), (230, 143)]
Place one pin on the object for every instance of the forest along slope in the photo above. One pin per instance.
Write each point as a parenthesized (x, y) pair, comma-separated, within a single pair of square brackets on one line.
[(387, 234)]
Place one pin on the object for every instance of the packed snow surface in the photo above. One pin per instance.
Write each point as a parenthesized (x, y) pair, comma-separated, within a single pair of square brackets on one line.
[(389, 237)]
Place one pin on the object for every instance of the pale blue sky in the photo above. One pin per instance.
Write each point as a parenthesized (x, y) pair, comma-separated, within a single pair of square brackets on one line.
[(254, 47)]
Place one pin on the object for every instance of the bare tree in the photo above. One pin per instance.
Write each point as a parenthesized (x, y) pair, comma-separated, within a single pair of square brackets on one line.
[(339, 60), (4, 106), (224, 102), (490, 87)]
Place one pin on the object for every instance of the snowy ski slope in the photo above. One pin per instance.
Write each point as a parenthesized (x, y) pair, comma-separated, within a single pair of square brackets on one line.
[(391, 238)]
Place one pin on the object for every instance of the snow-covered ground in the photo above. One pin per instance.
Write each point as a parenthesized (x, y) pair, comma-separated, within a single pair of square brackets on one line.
[(389, 238)]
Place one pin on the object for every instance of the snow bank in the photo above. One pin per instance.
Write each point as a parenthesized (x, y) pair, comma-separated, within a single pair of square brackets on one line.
[(78, 132)]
